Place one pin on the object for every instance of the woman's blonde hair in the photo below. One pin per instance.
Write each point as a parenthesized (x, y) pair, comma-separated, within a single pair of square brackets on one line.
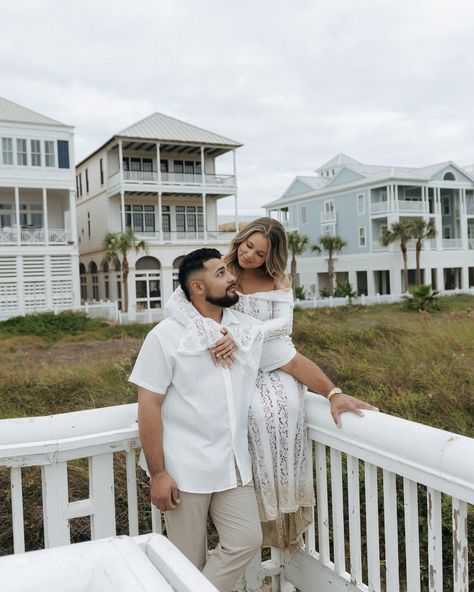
[(277, 256)]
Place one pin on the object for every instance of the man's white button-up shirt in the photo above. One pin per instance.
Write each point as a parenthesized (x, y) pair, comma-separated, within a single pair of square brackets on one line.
[(205, 412)]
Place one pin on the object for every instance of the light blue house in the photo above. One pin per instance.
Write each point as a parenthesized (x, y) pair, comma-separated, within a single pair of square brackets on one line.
[(358, 201)]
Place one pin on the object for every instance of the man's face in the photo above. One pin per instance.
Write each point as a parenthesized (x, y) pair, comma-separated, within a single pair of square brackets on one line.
[(219, 284)]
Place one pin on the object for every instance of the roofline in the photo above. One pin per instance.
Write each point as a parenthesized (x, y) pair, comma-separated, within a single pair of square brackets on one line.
[(44, 124), (157, 140)]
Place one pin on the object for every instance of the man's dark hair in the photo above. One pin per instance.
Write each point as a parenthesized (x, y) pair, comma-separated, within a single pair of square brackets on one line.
[(194, 261)]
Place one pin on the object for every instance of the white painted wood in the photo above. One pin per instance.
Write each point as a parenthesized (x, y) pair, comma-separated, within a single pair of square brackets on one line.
[(55, 504), (132, 498), (372, 527), (391, 531), (460, 548), (353, 493), (101, 493), (17, 510), (435, 548), (337, 512), (412, 537), (322, 503), (156, 523), (310, 534)]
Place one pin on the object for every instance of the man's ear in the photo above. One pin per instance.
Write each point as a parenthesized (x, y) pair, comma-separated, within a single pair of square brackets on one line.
[(196, 286)]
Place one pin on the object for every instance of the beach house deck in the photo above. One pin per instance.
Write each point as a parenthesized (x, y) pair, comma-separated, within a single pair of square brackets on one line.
[(393, 497)]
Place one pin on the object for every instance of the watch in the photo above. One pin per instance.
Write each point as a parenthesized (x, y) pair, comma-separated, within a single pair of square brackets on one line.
[(335, 391)]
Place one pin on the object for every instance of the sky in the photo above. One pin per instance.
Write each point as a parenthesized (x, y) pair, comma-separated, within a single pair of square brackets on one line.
[(295, 81)]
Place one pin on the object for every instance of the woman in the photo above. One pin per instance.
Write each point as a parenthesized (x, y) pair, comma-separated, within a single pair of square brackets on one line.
[(277, 426)]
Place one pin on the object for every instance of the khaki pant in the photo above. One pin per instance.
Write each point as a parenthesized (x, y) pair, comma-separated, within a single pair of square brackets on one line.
[(235, 516)]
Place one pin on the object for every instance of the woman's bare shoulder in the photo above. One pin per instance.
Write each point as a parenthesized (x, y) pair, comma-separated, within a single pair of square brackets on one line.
[(283, 284)]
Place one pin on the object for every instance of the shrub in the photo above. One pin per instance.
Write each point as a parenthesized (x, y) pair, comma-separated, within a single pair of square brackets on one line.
[(422, 298), (344, 290), (300, 293)]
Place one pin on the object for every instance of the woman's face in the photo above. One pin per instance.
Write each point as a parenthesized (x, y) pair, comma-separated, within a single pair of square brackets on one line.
[(253, 251)]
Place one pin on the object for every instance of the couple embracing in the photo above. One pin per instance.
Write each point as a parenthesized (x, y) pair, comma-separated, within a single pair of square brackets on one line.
[(221, 406)]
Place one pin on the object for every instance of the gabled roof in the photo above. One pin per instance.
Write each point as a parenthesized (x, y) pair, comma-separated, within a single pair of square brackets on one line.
[(158, 126), (10, 111), (339, 160)]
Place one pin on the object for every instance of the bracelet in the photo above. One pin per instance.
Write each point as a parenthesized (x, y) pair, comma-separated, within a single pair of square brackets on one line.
[(335, 391)]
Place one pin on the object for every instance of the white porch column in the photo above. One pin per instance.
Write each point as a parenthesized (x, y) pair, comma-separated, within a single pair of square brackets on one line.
[(166, 283), (72, 216), (132, 302), (396, 196), (17, 215), (465, 278), (438, 221), (76, 282), (45, 218), (160, 218), (396, 287), (463, 221), (20, 289), (120, 149), (440, 279), (158, 164), (122, 209), (203, 174), (370, 283), (234, 160), (204, 216), (48, 282), (353, 279)]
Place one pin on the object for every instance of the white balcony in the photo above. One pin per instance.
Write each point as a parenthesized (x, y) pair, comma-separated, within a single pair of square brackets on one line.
[(384, 472), (177, 236), (379, 207), (412, 207), (173, 179), (35, 236), (470, 208), (329, 217)]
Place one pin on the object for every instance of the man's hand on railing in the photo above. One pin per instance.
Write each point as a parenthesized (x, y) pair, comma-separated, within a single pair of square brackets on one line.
[(164, 492), (341, 402)]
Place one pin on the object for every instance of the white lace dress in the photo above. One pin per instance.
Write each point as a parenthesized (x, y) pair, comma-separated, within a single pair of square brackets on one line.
[(277, 432), (277, 424)]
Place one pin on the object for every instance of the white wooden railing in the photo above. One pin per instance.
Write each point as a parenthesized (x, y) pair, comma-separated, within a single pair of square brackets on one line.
[(35, 236), (403, 466), (173, 178)]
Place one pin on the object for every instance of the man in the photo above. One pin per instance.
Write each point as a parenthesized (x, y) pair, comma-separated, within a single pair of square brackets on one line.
[(193, 422)]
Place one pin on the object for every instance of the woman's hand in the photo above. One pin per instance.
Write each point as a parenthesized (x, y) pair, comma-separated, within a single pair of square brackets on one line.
[(341, 402), (222, 351)]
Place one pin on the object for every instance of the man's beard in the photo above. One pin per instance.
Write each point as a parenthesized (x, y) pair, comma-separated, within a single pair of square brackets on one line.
[(224, 301)]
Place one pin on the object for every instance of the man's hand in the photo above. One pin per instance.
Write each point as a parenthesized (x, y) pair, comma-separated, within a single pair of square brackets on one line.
[(340, 402), (164, 492)]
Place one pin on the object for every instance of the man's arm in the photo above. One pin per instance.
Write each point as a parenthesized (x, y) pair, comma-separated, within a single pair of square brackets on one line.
[(310, 374), (163, 489)]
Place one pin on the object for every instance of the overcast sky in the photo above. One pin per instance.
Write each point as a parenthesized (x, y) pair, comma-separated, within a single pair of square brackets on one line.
[(296, 81)]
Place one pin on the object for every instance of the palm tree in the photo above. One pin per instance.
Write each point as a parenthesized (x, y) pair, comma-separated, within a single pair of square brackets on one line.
[(331, 244), (421, 230), (297, 245), (401, 232), (118, 244)]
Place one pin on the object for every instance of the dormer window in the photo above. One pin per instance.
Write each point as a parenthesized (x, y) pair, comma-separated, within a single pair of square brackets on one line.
[(449, 177)]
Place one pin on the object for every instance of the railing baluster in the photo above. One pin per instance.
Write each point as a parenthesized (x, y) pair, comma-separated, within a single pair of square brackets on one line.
[(372, 514), (354, 519), (310, 537), (435, 550), (55, 504), (156, 524), (17, 510), (101, 486), (337, 512), (132, 501), (322, 503), (460, 548), (412, 537), (391, 531)]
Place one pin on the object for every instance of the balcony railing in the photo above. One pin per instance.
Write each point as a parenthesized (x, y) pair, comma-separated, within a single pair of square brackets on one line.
[(452, 243), (470, 208), (35, 236), (328, 217), (471, 243), (173, 179), (185, 236), (379, 207), (383, 468), (403, 206)]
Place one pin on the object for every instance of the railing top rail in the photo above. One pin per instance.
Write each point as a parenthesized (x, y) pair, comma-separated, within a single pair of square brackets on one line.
[(435, 458)]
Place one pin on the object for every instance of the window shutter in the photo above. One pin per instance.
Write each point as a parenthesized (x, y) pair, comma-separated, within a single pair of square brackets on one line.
[(63, 154)]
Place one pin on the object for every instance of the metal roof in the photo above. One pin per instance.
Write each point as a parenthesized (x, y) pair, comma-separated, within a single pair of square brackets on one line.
[(338, 160), (10, 111), (165, 128)]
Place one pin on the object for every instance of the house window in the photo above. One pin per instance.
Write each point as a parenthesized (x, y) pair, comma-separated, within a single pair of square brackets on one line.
[(164, 166), (303, 215), (83, 287), (80, 184), (125, 163), (361, 236), (6, 215), (7, 151), (189, 167), (77, 186), (49, 155), (135, 164), (31, 215), (189, 220), (178, 166), (446, 206), (87, 180), (63, 154), (35, 153), (95, 286), (198, 168), (328, 230), (361, 204), (449, 177), (21, 152), (141, 218), (147, 165), (101, 165), (166, 221), (446, 231)]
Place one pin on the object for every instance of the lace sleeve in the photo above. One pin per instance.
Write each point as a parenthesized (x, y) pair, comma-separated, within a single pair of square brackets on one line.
[(281, 323), (179, 307)]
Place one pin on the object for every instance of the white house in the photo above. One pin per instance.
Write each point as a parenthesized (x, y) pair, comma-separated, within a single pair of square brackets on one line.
[(38, 245), (358, 201), (158, 177)]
